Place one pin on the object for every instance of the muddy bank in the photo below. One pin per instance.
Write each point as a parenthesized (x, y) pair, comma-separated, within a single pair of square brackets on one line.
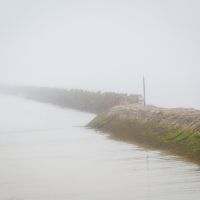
[(175, 130)]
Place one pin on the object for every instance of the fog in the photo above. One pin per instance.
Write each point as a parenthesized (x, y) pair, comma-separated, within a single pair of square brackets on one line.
[(104, 45)]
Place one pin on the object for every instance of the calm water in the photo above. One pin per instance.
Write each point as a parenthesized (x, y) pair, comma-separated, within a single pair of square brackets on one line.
[(47, 154)]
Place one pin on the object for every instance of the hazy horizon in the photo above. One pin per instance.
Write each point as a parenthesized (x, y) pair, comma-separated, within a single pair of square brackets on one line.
[(104, 45)]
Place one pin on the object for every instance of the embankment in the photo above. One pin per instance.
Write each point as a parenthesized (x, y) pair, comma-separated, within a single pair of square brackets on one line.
[(88, 101), (175, 130), (123, 117)]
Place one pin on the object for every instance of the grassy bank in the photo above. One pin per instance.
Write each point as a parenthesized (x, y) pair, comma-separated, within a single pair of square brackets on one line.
[(174, 130)]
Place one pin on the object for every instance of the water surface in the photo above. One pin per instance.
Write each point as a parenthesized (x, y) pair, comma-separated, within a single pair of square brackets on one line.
[(47, 154)]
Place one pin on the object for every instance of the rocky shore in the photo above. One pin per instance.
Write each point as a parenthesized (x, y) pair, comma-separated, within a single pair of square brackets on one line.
[(176, 130)]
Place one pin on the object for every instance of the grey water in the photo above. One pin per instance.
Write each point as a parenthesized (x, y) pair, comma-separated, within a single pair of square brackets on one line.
[(46, 153)]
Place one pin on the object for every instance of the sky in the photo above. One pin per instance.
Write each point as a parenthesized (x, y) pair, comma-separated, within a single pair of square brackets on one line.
[(106, 45)]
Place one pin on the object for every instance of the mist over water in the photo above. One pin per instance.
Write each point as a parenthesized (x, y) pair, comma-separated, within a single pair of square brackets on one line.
[(104, 45), (47, 153)]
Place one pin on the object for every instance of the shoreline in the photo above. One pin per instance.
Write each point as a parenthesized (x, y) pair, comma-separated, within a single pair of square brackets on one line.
[(176, 130), (154, 128)]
